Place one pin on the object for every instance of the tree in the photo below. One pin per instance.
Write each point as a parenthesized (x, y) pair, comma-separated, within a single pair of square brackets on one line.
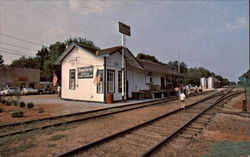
[(24, 62), (80, 40), (1, 60), (225, 82), (46, 57), (193, 75), (175, 64), (143, 56), (246, 74)]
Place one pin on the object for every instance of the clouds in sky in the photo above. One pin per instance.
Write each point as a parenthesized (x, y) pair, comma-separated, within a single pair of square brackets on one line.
[(240, 23), (88, 7), (204, 32)]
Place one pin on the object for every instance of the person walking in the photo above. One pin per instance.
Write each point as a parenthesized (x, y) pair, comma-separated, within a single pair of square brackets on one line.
[(200, 89), (177, 90), (59, 91), (182, 100)]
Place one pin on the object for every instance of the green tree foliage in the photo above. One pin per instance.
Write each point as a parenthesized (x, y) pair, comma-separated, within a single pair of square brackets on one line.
[(143, 56), (81, 41), (1, 60), (25, 62), (46, 57), (193, 75), (246, 74), (174, 66)]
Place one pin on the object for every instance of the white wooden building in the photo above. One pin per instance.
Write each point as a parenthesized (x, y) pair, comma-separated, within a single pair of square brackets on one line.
[(210, 82), (81, 65)]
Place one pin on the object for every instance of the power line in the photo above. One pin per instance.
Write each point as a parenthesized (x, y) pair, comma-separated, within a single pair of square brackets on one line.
[(13, 53), (13, 50), (13, 37), (17, 46)]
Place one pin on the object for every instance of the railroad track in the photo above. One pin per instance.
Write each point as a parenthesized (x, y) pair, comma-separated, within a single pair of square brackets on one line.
[(28, 126), (148, 136)]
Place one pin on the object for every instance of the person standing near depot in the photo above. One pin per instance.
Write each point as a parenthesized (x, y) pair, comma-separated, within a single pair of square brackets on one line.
[(182, 100)]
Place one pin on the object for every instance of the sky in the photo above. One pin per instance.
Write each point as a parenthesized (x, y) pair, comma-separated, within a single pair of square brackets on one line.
[(213, 34)]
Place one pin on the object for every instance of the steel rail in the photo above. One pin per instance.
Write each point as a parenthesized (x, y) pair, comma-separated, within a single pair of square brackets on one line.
[(84, 112), (92, 111), (178, 130), (153, 102), (126, 131)]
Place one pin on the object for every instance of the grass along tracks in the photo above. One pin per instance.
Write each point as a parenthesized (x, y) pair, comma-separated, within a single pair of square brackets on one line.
[(130, 142), (27, 126)]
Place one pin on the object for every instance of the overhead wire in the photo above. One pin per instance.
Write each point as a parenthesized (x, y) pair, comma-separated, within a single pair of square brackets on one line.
[(17, 46), (12, 50), (14, 53), (13, 37)]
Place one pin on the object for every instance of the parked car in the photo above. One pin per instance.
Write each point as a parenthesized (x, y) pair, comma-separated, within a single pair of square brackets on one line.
[(10, 91), (26, 91), (46, 90)]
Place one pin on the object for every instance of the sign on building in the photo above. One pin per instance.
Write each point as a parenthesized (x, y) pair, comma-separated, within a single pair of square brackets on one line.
[(85, 72)]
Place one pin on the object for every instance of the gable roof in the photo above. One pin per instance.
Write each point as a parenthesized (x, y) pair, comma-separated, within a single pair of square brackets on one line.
[(108, 50), (142, 64), (88, 48), (161, 68), (94, 51)]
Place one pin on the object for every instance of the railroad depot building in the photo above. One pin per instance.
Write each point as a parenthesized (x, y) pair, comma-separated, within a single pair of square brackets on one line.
[(90, 74), (19, 77)]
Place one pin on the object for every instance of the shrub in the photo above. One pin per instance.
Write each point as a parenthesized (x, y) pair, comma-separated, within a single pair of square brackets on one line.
[(17, 114), (1, 110), (8, 103), (15, 103), (30, 105), (3, 101), (22, 104)]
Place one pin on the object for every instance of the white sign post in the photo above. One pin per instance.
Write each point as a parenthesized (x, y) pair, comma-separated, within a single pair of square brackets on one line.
[(125, 30)]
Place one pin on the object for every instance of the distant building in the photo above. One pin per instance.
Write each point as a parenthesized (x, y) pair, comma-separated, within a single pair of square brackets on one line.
[(19, 77), (210, 82), (90, 74), (203, 82)]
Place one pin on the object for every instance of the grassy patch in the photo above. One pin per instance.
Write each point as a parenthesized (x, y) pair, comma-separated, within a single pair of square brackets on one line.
[(25, 145), (56, 137), (16, 143), (51, 145), (228, 149)]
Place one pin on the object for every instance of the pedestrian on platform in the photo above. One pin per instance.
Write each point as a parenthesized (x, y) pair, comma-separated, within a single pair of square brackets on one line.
[(177, 90), (59, 91), (182, 100), (200, 89)]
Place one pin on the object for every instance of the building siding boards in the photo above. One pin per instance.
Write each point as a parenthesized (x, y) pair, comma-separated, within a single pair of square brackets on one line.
[(136, 80), (108, 60), (85, 89), (113, 62)]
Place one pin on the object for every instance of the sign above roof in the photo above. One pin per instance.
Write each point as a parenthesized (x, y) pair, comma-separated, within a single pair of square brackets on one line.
[(124, 29)]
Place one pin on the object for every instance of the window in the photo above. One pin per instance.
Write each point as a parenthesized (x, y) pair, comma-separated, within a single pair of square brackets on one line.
[(111, 81), (150, 79), (119, 81), (85, 72), (100, 83), (72, 79)]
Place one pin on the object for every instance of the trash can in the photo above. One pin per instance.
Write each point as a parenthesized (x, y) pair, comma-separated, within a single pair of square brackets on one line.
[(109, 98)]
